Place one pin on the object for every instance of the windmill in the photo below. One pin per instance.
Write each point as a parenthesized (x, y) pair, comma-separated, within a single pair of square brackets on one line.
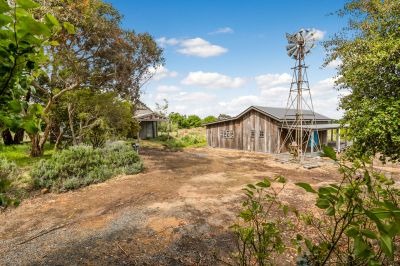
[(297, 127)]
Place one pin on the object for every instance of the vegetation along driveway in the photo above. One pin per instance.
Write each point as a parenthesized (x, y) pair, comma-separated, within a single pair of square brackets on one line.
[(177, 212)]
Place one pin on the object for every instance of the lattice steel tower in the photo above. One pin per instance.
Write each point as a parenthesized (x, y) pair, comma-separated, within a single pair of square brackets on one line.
[(297, 132)]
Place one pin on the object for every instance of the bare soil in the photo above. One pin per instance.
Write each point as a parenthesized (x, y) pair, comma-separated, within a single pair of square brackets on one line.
[(177, 212)]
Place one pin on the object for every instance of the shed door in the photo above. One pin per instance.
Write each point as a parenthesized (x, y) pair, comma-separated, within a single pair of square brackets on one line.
[(149, 130)]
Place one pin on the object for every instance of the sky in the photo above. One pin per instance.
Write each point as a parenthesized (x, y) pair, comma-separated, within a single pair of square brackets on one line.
[(224, 56)]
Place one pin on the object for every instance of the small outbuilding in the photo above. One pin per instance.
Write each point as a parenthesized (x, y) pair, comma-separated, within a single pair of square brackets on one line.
[(262, 129), (148, 121)]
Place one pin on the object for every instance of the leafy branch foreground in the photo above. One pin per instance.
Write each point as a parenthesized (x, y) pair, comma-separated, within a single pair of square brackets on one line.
[(358, 222)]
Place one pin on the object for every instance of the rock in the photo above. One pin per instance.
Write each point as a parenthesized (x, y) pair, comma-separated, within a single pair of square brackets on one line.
[(44, 191)]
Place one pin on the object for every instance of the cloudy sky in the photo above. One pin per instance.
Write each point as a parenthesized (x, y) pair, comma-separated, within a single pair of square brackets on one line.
[(223, 56)]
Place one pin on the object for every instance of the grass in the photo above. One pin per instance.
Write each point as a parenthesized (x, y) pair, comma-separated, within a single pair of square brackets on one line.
[(183, 138), (20, 154)]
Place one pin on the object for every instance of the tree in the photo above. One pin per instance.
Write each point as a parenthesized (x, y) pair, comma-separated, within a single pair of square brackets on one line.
[(224, 117), (84, 114), (193, 121), (369, 49), (23, 38), (177, 118), (209, 119), (93, 54)]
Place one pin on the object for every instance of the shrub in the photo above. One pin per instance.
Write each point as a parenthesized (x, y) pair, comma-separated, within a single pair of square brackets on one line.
[(82, 165), (358, 222), (8, 172), (328, 151)]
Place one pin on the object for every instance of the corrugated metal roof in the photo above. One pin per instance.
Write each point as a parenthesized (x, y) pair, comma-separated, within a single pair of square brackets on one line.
[(279, 114)]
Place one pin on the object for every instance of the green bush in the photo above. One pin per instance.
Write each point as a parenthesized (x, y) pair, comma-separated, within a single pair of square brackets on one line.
[(8, 172), (82, 165), (328, 151)]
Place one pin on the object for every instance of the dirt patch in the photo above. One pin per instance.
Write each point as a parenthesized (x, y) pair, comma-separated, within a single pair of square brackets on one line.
[(175, 213)]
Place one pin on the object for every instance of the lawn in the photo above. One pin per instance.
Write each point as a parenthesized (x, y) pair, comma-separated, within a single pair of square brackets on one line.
[(20, 154)]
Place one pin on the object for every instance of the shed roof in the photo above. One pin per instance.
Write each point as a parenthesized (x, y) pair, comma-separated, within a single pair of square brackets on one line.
[(278, 114), (144, 113)]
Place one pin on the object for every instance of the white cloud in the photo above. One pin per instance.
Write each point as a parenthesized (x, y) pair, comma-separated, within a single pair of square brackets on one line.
[(167, 88), (161, 72), (271, 80), (222, 30), (212, 80), (334, 63), (201, 48), (163, 41), (193, 47), (318, 35)]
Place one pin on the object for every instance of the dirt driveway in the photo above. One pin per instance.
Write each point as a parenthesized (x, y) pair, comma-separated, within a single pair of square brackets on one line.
[(175, 213)]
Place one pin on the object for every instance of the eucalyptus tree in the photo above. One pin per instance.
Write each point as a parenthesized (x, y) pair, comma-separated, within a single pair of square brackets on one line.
[(91, 52)]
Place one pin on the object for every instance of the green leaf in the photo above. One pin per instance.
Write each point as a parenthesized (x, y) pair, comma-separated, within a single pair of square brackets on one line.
[(308, 244), (359, 246), (322, 203), (30, 127), (386, 244), (266, 183), (4, 7), (251, 186), (52, 20), (15, 106), (352, 232), (4, 20), (306, 187), (69, 27), (368, 233), (27, 4)]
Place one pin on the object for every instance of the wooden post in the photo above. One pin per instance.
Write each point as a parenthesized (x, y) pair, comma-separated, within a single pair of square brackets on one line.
[(338, 140), (312, 141)]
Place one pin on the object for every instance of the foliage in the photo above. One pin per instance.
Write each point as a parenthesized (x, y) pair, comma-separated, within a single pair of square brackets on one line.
[(98, 134), (185, 138), (359, 223), (8, 172), (20, 154), (369, 49), (361, 219), (23, 38), (328, 151), (224, 117), (184, 121), (92, 52), (259, 237), (85, 111), (80, 166), (209, 119)]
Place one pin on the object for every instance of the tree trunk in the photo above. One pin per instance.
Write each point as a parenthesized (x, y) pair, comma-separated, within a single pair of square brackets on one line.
[(19, 136), (71, 123), (36, 149), (7, 137), (59, 137)]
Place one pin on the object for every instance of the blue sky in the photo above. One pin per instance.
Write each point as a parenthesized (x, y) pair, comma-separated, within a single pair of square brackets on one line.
[(223, 56)]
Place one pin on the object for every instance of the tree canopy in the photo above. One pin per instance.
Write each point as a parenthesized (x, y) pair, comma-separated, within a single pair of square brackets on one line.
[(369, 51)]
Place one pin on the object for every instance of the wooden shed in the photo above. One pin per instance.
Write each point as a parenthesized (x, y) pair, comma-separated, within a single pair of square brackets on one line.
[(148, 121), (260, 129)]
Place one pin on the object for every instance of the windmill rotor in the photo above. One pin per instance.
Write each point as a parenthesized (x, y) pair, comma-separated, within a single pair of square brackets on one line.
[(300, 43)]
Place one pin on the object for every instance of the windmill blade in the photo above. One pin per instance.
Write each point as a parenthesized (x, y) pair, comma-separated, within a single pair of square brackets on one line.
[(293, 50), (291, 38)]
